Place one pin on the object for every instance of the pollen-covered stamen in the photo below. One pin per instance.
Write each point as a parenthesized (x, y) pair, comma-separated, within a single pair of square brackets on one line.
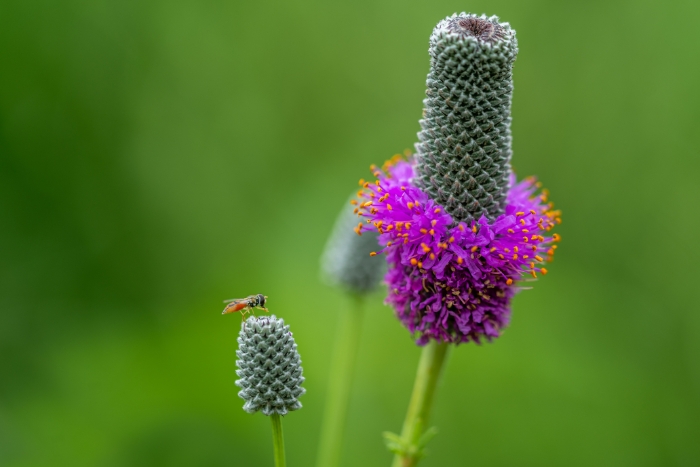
[(481, 260)]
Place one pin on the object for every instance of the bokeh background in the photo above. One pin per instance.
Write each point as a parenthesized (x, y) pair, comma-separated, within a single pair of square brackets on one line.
[(158, 157)]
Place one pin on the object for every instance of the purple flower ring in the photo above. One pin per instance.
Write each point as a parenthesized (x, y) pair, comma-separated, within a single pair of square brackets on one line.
[(452, 281)]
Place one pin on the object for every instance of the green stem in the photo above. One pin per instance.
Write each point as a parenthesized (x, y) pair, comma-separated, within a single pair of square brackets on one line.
[(278, 440), (340, 379), (418, 414)]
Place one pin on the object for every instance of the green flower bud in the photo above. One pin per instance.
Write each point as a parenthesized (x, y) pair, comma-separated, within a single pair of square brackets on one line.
[(269, 367), (346, 260)]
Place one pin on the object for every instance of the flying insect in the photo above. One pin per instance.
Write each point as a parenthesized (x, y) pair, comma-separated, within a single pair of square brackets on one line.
[(245, 305)]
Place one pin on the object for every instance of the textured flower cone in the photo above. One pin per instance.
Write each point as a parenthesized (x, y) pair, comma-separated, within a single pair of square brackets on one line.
[(269, 367), (346, 261), (464, 152), (458, 230)]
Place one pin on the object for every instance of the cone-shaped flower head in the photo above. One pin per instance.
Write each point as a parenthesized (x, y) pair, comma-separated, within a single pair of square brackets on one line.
[(269, 367), (346, 261), (463, 158), (458, 230)]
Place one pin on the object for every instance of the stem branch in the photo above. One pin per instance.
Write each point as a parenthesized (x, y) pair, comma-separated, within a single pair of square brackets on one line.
[(278, 440), (341, 375), (418, 414)]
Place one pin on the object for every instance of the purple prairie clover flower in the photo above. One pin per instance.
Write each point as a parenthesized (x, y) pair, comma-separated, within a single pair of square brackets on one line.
[(454, 281)]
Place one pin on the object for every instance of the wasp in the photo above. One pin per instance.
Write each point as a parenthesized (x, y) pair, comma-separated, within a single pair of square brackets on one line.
[(245, 305)]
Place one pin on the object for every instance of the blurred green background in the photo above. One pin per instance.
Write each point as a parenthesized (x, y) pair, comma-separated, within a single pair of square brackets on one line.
[(158, 157)]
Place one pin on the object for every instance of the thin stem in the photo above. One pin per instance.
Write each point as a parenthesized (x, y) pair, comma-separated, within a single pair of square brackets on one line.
[(340, 379), (418, 414), (278, 440)]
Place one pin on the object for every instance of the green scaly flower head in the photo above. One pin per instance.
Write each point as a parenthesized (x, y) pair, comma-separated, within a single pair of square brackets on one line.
[(269, 367), (463, 157), (346, 260)]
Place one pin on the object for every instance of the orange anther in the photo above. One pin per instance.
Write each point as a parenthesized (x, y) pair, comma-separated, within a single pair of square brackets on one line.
[(424, 231), (474, 248), (509, 281), (538, 257), (388, 206), (374, 253), (432, 255), (437, 210), (543, 271), (414, 261), (511, 231), (410, 205), (431, 232), (459, 260), (474, 228), (433, 222), (519, 213)]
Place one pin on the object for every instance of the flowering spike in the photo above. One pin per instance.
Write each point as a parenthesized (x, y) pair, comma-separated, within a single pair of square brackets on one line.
[(269, 367), (463, 157), (468, 227)]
